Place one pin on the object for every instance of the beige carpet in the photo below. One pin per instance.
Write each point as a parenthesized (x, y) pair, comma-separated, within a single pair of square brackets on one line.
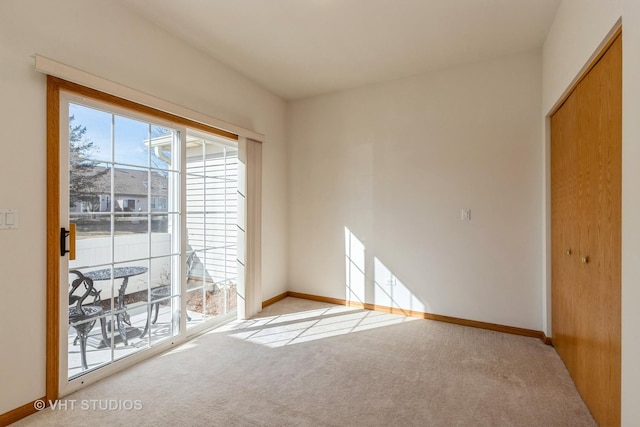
[(303, 363)]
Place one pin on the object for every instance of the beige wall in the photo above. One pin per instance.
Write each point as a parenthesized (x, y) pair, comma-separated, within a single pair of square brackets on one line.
[(578, 30), (395, 163), (102, 38), (630, 213)]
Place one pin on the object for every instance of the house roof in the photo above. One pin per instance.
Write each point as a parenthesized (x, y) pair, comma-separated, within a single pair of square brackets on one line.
[(132, 182)]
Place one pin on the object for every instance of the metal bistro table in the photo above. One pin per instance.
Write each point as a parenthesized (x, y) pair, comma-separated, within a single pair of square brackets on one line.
[(118, 273)]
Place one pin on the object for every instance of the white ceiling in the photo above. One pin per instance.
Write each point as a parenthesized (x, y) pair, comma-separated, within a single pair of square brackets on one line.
[(301, 48)]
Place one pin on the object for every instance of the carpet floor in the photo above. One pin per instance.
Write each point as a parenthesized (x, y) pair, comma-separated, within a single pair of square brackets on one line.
[(305, 363)]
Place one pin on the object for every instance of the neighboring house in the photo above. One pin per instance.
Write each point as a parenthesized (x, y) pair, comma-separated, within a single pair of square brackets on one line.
[(131, 192)]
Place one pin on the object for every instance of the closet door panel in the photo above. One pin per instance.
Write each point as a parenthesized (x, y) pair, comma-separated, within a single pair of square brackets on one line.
[(601, 141), (564, 237)]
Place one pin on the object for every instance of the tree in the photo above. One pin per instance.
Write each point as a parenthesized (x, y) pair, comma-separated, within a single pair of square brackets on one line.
[(84, 174)]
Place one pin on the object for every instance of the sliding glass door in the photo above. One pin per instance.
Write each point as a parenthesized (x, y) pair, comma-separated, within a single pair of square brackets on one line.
[(149, 215)]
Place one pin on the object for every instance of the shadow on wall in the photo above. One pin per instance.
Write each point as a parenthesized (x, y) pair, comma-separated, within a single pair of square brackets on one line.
[(380, 286)]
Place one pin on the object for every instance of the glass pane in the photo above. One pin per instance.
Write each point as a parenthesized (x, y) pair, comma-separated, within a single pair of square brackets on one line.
[(93, 239), (131, 240), (195, 193), (215, 200), (160, 223), (195, 269), (131, 139), (89, 133), (89, 186), (130, 282), (95, 355), (91, 226), (231, 290), (215, 299), (162, 141), (215, 265), (215, 229), (232, 261), (195, 306), (162, 227), (131, 189), (102, 283), (226, 296), (132, 279), (161, 274), (214, 150), (138, 335), (195, 231), (194, 156), (231, 198), (160, 190), (162, 324)]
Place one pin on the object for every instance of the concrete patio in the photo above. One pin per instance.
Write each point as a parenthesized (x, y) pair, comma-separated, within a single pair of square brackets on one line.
[(99, 355)]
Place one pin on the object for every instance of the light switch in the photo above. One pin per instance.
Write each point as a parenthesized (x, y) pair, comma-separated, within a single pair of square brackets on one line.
[(465, 215), (9, 219)]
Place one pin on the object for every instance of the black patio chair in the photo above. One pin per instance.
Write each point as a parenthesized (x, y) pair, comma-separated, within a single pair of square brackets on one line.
[(83, 317)]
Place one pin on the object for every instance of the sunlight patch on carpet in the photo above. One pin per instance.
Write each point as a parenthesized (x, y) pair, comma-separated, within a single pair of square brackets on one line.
[(311, 325)]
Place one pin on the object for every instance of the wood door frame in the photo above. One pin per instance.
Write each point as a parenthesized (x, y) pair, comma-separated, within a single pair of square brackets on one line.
[(608, 41), (54, 87)]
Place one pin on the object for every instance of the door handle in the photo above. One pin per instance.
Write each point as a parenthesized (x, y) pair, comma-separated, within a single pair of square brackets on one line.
[(569, 251), (71, 233), (585, 259)]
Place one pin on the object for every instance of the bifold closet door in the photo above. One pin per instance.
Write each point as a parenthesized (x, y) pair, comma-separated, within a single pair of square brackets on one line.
[(586, 165)]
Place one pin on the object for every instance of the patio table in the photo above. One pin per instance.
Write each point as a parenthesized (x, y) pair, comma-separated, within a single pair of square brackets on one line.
[(121, 310)]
